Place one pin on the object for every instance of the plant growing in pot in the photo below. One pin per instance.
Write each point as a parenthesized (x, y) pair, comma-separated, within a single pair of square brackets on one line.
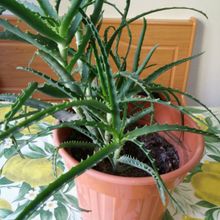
[(115, 118)]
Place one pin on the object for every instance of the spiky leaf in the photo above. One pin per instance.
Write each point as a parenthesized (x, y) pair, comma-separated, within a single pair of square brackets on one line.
[(30, 38), (74, 27), (52, 91), (153, 76), (156, 88), (65, 178), (140, 165), (67, 19), (139, 46), (61, 72), (124, 24), (94, 17), (31, 18), (16, 106), (37, 104), (146, 61), (57, 87), (78, 144), (34, 103), (109, 77), (48, 8), (6, 35), (139, 115), (51, 110), (165, 127)]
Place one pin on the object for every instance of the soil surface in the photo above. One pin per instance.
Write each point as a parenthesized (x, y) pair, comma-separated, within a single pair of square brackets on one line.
[(166, 157)]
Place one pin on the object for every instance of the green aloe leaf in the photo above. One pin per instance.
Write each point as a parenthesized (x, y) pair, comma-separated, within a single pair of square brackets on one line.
[(50, 111), (83, 122), (139, 115), (123, 25), (47, 8), (180, 108), (61, 72), (31, 18), (52, 91), (33, 7), (57, 5), (153, 172), (6, 35), (96, 140), (68, 17), (165, 127), (30, 38), (76, 127), (34, 103), (147, 91), (65, 178), (131, 80), (142, 67), (128, 84), (109, 76), (115, 7), (49, 44), (37, 104), (16, 106), (156, 87), (153, 76), (74, 27), (143, 166), (78, 144), (52, 84), (21, 116), (101, 73), (121, 61), (95, 18), (139, 46)]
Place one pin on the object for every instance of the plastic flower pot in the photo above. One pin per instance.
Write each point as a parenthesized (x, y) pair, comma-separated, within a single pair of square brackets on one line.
[(110, 197)]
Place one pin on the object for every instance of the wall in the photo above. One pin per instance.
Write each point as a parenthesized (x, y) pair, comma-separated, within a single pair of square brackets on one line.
[(205, 71)]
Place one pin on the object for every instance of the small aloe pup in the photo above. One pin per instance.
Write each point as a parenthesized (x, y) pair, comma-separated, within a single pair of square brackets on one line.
[(100, 100)]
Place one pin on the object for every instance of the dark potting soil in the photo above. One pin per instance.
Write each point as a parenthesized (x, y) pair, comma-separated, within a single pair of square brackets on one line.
[(165, 155)]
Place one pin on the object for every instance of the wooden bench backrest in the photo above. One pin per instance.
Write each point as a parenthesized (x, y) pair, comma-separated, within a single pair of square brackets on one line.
[(174, 37)]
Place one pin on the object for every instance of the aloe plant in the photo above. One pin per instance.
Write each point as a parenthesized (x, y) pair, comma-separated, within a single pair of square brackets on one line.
[(100, 98)]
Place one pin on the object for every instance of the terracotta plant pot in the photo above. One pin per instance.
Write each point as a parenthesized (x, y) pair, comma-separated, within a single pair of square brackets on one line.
[(115, 198)]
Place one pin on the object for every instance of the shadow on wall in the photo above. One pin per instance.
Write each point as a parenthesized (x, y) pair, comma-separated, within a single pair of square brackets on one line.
[(195, 64)]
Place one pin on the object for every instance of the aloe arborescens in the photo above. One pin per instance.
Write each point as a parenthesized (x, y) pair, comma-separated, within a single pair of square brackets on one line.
[(100, 98)]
